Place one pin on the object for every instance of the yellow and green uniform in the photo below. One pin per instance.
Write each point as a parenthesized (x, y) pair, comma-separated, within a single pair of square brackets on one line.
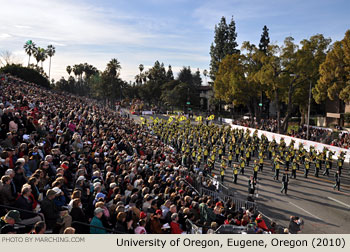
[(235, 174), (230, 158)]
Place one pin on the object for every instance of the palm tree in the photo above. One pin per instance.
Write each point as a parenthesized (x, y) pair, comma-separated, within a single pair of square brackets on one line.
[(141, 67), (139, 77), (76, 70), (113, 68), (29, 48), (81, 71), (50, 51), (39, 55), (89, 70), (69, 70), (43, 56)]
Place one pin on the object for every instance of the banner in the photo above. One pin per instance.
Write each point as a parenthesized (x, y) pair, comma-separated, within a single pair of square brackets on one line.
[(199, 118), (182, 118), (210, 118)]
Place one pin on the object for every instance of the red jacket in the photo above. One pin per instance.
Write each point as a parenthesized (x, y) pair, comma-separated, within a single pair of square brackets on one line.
[(175, 228), (261, 224)]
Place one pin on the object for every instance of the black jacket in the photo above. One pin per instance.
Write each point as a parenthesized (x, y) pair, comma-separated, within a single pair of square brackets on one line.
[(50, 211), (79, 215), (25, 204)]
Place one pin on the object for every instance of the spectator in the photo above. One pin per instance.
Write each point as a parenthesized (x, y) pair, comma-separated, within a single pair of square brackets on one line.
[(174, 225), (39, 228), (96, 223), (55, 219)]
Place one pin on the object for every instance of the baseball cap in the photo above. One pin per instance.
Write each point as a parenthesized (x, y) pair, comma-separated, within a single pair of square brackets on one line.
[(57, 190), (14, 214), (143, 215), (80, 178), (98, 210), (50, 192)]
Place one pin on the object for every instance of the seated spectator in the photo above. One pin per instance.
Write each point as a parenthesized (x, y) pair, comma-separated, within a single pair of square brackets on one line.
[(96, 223), (39, 228), (6, 196), (78, 215), (12, 217), (27, 203), (174, 225), (69, 230), (55, 219)]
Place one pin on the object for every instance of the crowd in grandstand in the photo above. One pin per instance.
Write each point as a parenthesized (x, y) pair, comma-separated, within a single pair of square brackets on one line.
[(68, 164), (317, 134)]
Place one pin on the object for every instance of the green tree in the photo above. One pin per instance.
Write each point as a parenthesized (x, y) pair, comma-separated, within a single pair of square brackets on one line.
[(236, 81), (224, 44), (111, 85), (113, 68), (271, 75), (182, 90), (40, 55), (29, 48), (155, 78), (169, 74), (50, 51), (252, 64), (309, 58), (264, 40), (140, 77), (69, 69), (334, 81), (27, 74)]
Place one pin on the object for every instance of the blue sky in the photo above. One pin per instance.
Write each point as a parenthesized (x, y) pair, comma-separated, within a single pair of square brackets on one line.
[(176, 32)]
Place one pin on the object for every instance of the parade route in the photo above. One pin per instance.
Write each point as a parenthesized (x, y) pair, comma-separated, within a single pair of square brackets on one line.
[(323, 209)]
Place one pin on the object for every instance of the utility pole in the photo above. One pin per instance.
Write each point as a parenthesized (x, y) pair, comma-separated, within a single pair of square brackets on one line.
[(308, 114)]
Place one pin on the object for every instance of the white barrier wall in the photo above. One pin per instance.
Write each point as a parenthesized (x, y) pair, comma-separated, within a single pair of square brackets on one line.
[(147, 112), (287, 139)]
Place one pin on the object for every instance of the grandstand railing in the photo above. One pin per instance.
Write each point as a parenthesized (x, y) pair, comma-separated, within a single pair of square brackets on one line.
[(22, 210), (113, 231), (239, 203), (221, 194)]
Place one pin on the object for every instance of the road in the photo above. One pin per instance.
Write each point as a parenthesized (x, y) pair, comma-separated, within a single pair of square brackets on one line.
[(323, 209)]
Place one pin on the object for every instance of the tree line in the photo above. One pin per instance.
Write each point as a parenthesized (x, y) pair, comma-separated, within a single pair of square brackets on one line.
[(283, 73), (155, 86)]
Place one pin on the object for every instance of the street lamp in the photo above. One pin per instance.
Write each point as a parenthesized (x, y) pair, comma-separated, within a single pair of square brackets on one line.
[(308, 110)]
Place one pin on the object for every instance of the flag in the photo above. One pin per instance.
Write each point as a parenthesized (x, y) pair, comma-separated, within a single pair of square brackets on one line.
[(142, 120), (199, 118), (182, 118), (211, 117)]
